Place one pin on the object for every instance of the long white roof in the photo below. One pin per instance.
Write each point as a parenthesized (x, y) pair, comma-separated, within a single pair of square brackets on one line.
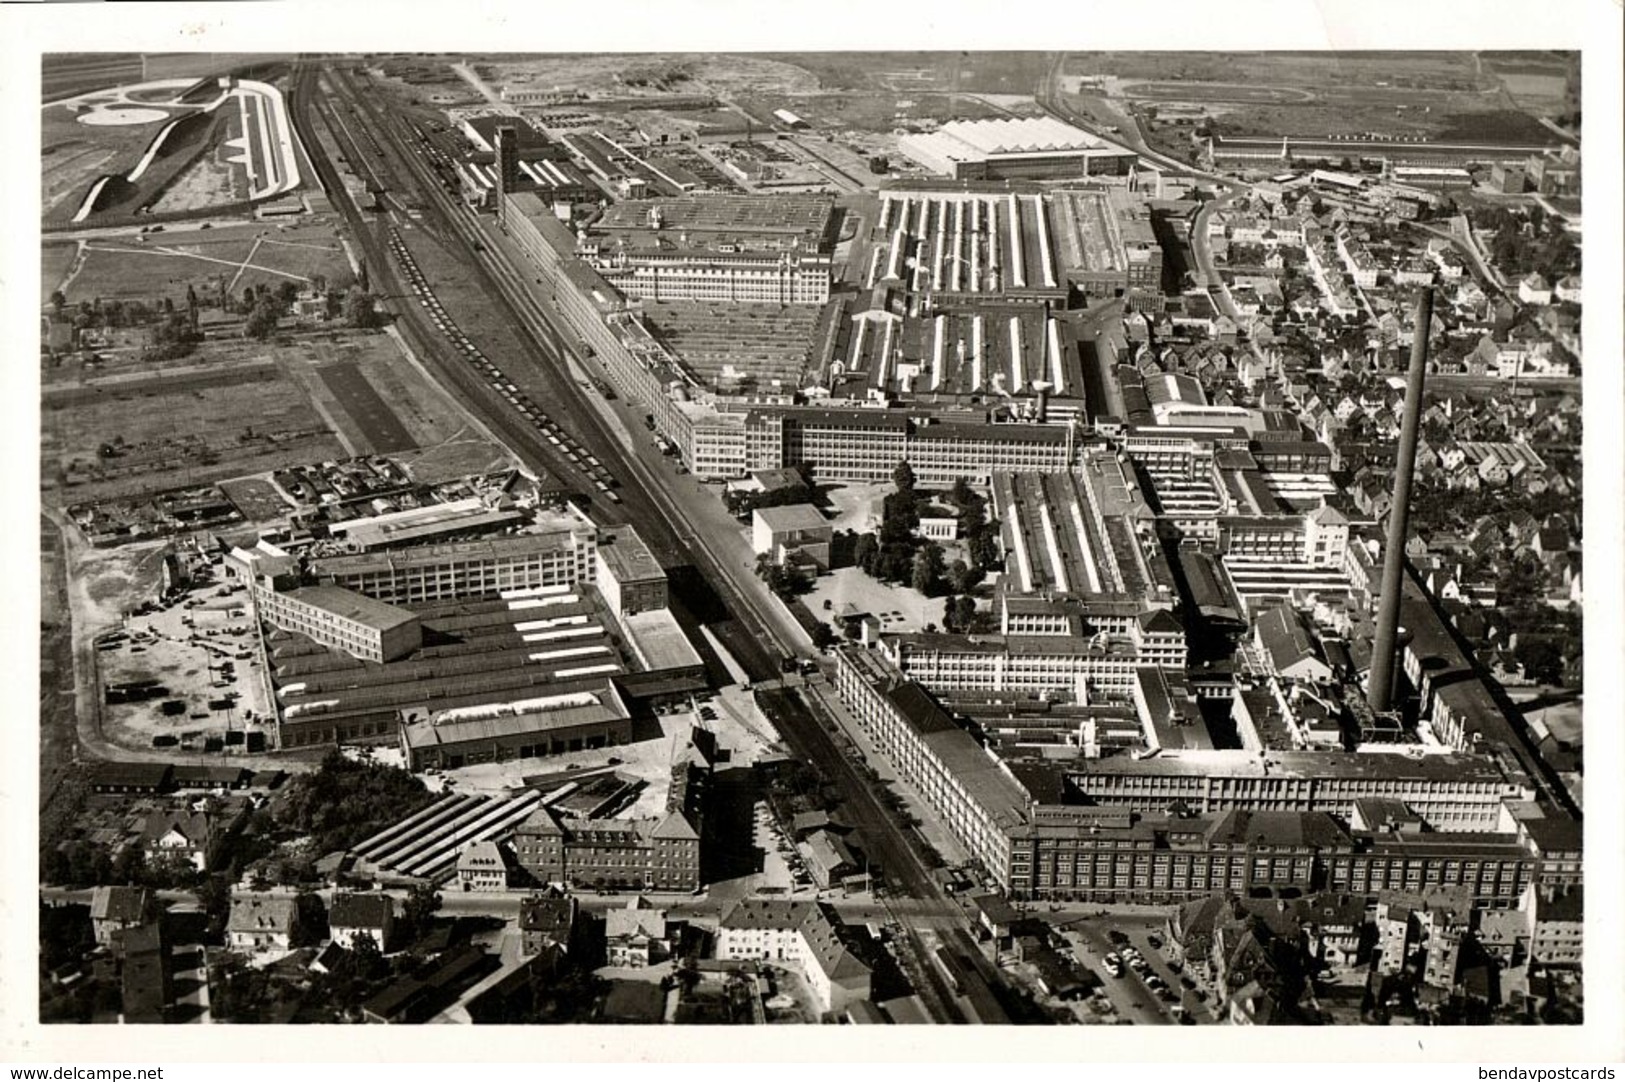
[(1018, 136)]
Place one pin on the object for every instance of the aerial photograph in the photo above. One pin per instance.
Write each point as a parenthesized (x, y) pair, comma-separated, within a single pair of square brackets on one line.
[(828, 538)]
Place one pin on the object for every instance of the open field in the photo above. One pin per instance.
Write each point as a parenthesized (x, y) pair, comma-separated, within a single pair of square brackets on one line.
[(1309, 70), (55, 260), (181, 430), (1438, 95), (1225, 92), (370, 414), (989, 72), (62, 74), (647, 74), (164, 264), (431, 434)]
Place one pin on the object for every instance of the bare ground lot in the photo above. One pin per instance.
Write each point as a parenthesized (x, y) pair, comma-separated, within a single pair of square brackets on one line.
[(370, 414), (183, 649), (180, 431), (441, 441)]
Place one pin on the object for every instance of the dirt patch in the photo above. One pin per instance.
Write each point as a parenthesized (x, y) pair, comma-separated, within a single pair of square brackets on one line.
[(257, 498), (369, 413)]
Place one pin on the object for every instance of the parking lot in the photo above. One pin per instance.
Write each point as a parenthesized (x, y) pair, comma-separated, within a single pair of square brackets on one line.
[(1143, 977)]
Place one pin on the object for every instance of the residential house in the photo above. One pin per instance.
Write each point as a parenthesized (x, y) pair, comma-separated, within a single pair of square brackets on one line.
[(146, 977), (1559, 937), (1398, 934), (483, 866), (354, 916), (1534, 289), (637, 935), (262, 922), (802, 933), (829, 859), (549, 922), (179, 835), (113, 909), (1568, 289)]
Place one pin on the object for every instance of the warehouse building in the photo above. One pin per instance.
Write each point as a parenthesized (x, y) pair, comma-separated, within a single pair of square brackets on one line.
[(521, 729), (1002, 149)]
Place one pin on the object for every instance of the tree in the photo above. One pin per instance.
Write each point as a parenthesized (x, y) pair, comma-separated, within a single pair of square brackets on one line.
[(58, 299), (262, 320), (360, 310), (964, 612), (983, 547), (903, 477), (823, 636), (927, 574), (287, 293), (964, 578), (864, 553), (421, 904)]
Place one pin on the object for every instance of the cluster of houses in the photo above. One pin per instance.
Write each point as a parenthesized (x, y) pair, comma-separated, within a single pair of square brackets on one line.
[(1434, 944), (1322, 245)]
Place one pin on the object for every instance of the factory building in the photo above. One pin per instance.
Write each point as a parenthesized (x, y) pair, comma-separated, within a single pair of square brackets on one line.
[(1038, 147), (521, 729), (561, 557), (629, 578), (342, 620), (1101, 830)]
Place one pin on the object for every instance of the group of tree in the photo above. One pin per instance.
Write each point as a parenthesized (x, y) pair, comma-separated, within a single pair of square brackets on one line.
[(897, 554), (978, 529), (959, 615), (1525, 242), (785, 583), (803, 491), (344, 801)]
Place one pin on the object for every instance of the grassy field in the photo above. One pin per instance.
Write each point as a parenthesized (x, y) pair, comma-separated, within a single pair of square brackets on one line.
[(164, 264), (611, 75), (54, 262), (243, 416), (1441, 95), (989, 72)]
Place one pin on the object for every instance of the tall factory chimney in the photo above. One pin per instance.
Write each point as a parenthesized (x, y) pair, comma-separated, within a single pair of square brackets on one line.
[(1380, 690), (507, 168)]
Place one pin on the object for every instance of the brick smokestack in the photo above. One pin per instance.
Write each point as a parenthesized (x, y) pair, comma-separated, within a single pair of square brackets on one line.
[(1380, 690)]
